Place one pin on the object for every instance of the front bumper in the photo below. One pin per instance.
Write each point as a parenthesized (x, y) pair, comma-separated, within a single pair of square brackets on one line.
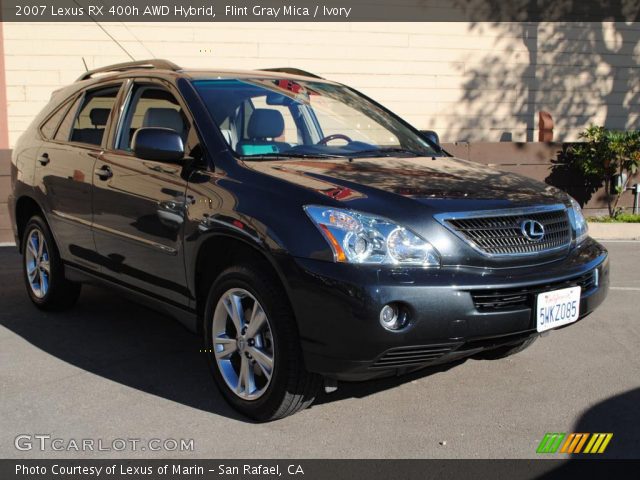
[(338, 306)]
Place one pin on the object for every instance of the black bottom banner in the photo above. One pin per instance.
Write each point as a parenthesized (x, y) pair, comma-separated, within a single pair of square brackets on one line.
[(315, 469)]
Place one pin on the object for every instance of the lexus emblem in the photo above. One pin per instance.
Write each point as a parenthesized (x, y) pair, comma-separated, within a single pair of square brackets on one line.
[(532, 230)]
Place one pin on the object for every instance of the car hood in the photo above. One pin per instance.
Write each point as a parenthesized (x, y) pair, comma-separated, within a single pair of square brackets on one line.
[(430, 181)]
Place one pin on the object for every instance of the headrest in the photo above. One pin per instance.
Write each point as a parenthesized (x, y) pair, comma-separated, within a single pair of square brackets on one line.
[(265, 123), (99, 116), (164, 118)]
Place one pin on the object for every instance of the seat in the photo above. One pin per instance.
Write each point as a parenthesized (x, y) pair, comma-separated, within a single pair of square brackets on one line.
[(99, 118), (165, 118), (264, 126)]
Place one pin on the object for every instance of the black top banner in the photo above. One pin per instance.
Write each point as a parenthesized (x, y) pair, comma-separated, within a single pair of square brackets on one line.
[(320, 10)]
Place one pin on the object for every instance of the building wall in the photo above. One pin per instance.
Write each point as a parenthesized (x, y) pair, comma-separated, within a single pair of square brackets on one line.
[(470, 82)]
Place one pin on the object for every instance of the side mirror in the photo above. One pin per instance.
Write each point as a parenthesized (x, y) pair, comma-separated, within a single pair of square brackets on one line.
[(431, 136), (159, 144)]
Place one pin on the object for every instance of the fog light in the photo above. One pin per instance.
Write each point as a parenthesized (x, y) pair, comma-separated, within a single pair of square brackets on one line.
[(392, 317)]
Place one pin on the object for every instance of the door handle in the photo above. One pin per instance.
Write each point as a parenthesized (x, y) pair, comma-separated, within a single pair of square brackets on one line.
[(44, 159), (104, 172)]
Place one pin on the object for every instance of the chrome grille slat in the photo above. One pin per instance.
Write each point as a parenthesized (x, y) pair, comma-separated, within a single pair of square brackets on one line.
[(500, 234)]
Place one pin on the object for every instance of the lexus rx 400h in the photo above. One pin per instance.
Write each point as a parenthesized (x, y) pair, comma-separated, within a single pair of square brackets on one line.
[(308, 234)]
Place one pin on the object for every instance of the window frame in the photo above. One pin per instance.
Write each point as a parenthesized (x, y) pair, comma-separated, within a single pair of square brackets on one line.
[(107, 128), (125, 103)]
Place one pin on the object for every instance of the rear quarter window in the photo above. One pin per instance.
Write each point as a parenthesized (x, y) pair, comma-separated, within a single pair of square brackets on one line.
[(50, 126)]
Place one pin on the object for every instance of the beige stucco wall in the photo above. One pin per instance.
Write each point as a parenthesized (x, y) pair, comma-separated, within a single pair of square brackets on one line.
[(481, 82)]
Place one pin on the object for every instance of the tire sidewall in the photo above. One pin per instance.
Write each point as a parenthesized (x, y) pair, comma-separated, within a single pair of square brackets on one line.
[(243, 277)]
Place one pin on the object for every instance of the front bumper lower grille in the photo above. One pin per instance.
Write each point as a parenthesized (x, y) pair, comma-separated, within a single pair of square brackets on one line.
[(503, 234), (521, 298)]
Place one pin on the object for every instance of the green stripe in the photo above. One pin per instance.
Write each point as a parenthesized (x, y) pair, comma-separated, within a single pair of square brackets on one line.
[(556, 445), (550, 442), (542, 448)]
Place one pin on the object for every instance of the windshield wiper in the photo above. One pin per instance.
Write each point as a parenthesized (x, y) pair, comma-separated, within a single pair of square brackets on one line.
[(284, 155), (386, 152)]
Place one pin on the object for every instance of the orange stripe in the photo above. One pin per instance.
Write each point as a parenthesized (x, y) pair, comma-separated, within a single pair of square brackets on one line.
[(340, 256), (584, 439), (567, 442), (575, 442)]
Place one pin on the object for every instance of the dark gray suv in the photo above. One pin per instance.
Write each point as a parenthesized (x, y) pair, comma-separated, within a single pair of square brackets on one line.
[(305, 232)]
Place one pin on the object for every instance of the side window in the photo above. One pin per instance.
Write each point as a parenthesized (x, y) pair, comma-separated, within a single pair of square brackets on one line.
[(151, 106), (64, 130), (48, 128), (90, 124)]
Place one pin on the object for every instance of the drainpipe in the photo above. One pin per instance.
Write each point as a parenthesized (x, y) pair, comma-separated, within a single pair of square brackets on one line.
[(4, 125)]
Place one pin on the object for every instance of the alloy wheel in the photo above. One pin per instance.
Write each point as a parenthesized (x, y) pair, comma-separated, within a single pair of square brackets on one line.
[(243, 344), (37, 263)]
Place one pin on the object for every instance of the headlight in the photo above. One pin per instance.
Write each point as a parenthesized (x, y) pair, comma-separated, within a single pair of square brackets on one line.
[(578, 222), (359, 238)]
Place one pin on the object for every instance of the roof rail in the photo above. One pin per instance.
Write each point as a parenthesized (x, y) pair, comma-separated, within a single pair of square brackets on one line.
[(122, 67), (292, 71)]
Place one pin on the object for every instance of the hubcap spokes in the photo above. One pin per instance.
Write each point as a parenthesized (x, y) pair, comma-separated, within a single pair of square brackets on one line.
[(37, 263), (243, 344)]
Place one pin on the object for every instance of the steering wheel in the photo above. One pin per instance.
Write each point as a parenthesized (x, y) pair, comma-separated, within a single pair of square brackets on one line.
[(335, 136)]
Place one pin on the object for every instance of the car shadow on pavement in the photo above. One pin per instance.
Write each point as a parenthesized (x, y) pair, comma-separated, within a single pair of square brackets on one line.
[(115, 338), (110, 336), (618, 415)]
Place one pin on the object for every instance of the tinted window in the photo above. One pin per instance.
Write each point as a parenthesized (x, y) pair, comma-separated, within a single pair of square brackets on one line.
[(152, 106), (90, 124), (64, 130), (49, 127)]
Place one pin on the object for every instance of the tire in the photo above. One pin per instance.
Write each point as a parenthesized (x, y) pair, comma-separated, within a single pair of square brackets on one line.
[(43, 270), (506, 351), (280, 390)]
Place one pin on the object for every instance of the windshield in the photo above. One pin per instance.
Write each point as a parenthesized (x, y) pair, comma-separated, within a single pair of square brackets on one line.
[(273, 118)]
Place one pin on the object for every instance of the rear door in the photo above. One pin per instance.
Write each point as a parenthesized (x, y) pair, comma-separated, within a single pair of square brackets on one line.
[(65, 170), (139, 205)]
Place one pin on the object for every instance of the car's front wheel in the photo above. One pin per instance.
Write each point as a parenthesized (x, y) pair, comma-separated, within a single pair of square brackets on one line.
[(43, 271), (253, 347)]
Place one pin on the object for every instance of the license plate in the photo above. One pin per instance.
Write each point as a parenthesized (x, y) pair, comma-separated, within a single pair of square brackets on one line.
[(557, 308)]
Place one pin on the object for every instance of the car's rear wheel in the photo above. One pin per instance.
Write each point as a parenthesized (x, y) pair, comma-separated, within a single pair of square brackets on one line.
[(252, 345), (506, 351), (43, 271)]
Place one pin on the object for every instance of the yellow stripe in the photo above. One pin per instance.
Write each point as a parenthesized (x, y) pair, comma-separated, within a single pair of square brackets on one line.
[(593, 439), (598, 442), (584, 439), (566, 444), (605, 443)]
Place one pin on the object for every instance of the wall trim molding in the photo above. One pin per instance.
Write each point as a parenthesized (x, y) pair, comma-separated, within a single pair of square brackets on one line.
[(4, 118)]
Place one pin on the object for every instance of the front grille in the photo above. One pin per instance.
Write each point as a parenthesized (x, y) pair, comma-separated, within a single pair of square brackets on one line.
[(413, 356), (521, 298), (502, 234)]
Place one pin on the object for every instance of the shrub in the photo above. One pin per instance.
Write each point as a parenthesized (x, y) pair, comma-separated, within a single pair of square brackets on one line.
[(605, 153)]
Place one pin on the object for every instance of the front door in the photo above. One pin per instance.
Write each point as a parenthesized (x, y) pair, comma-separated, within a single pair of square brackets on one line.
[(139, 205)]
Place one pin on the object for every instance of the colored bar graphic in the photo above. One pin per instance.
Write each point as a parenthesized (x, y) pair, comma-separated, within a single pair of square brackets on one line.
[(573, 442)]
